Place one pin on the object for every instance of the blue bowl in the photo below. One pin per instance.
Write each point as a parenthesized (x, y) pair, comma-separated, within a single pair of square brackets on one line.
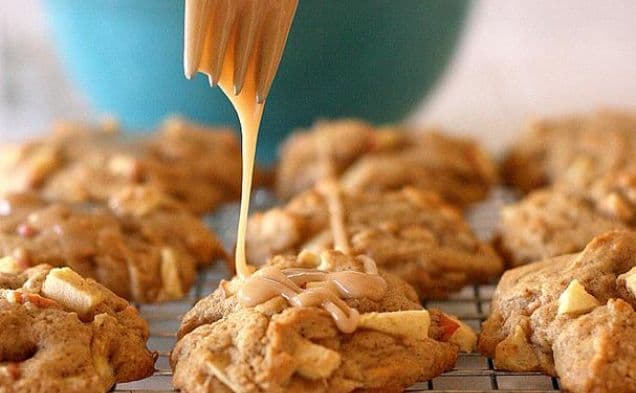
[(373, 59)]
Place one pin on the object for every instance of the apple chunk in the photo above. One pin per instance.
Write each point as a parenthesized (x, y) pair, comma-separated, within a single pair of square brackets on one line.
[(9, 264), (71, 290), (576, 300), (412, 323), (629, 279), (315, 361)]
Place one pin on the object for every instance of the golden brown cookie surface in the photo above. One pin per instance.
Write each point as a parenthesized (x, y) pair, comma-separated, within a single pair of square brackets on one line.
[(574, 149), (564, 218), (225, 346), (369, 159), (198, 166), (145, 248), (63, 333), (571, 316)]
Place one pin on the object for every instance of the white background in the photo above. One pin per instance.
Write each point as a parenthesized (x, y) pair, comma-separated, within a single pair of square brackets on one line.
[(516, 59)]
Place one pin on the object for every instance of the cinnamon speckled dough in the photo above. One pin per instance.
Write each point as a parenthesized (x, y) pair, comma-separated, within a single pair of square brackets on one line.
[(565, 218), (222, 344), (199, 166), (411, 233), (46, 347), (574, 149), (593, 351), (146, 248), (368, 159), (549, 223)]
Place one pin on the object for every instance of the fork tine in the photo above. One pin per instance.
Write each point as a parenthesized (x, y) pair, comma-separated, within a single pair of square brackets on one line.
[(239, 31), (273, 44), (198, 12), (248, 26), (222, 26)]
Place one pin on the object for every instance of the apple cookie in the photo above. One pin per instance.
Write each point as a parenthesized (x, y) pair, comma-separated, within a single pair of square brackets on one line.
[(200, 167), (574, 149), (411, 233), (226, 346), (570, 316), (367, 159), (564, 218), (145, 248), (63, 333)]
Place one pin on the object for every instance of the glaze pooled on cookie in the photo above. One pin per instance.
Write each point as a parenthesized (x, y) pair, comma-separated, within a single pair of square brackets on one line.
[(225, 346)]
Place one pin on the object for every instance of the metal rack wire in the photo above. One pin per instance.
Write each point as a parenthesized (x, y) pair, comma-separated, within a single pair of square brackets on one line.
[(472, 373)]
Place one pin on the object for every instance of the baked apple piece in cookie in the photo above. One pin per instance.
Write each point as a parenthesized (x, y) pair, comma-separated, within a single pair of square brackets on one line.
[(366, 158), (63, 333), (570, 316), (411, 233), (145, 247), (314, 323)]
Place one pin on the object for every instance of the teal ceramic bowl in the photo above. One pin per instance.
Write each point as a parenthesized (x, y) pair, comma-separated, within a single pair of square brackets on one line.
[(373, 59)]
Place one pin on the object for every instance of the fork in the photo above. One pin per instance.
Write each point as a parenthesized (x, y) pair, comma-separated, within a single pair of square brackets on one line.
[(248, 30)]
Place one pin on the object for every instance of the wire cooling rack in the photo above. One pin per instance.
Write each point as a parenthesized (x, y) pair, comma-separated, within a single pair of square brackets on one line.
[(472, 373)]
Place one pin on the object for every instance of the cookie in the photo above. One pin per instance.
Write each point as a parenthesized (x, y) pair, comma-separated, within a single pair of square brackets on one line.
[(63, 333), (564, 218), (549, 223), (369, 159), (411, 233), (198, 166), (145, 248), (224, 346), (571, 316), (574, 149)]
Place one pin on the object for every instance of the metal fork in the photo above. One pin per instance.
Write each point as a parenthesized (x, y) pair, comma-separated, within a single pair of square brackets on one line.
[(254, 28)]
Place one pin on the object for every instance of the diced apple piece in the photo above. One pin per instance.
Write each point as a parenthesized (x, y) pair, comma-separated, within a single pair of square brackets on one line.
[(19, 297), (100, 346), (41, 163), (411, 323), (9, 264), (630, 280), (170, 279), (123, 165), (71, 290), (464, 337), (315, 361), (218, 364), (139, 200), (309, 258), (576, 300), (447, 326)]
